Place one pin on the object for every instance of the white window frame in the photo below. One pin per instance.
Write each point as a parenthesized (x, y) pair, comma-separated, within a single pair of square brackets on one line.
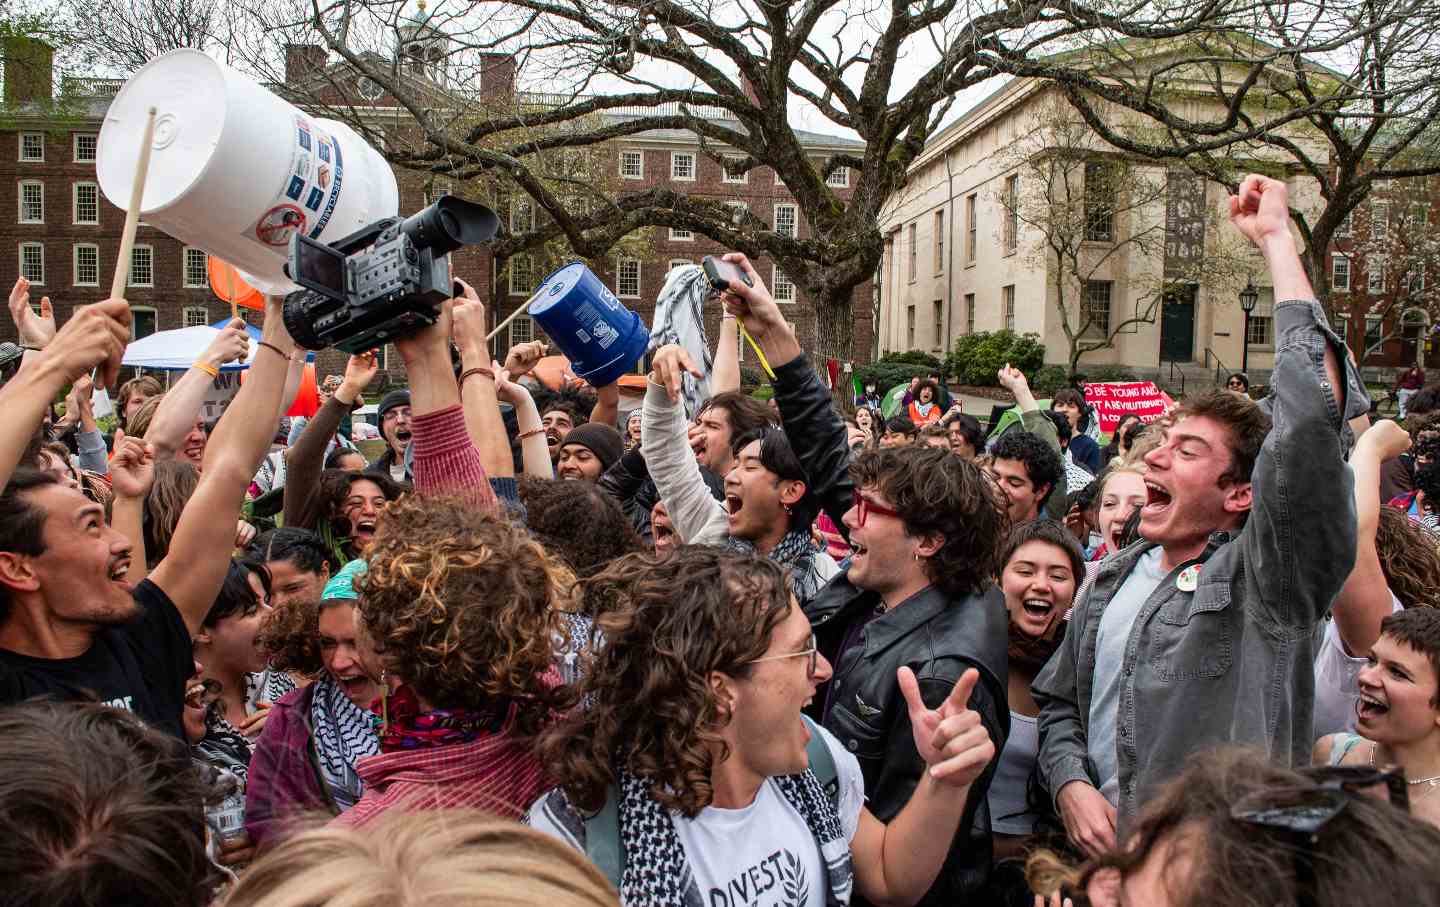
[(518, 290), (675, 158), (1007, 307), (839, 178), (1344, 229), (1335, 259), (1375, 274), (189, 310), (185, 280), (777, 278), (20, 202), (726, 176), (75, 202), (135, 250), (522, 209), (21, 262), (523, 321), (75, 147), (139, 309), (794, 219), (674, 263), (640, 155), (1380, 221), (680, 234), (620, 264), (75, 264), (21, 151)]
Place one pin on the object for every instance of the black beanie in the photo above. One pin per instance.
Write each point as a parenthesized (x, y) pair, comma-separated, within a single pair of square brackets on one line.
[(602, 440), (391, 401)]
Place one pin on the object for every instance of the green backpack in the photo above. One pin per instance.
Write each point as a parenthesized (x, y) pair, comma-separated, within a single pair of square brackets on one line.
[(602, 830)]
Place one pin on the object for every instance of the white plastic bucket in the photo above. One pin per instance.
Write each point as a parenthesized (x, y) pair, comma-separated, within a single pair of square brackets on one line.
[(236, 170)]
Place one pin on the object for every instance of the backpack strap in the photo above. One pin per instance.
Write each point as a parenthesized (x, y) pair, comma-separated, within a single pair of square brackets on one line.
[(602, 838)]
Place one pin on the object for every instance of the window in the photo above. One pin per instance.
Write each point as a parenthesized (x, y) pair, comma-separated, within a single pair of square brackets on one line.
[(32, 202), (786, 219), (970, 229), (839, 178), (436, 190), (144, 321), (194, 316), (1095, 305), (674, 263), (1415, 278), (87, 203), (1342, 230), (783, 287), (910, 327), (522, 215), (1011, 236), (1374, 330), (913, 252), (1342, 326), (522, 275), (87, 265), (196, 268), (32, 146), (937, 310), (627, 278), (84, 147), (142, 267), (1339, 272), (522, 330), (632, 165), (969, 313), (32, 262), (1007, 301), (1375, 274), (1262, 320), (740, 209), (939, 241), (732, 172), (680, 234), (1379, 221), (682, 165), (1100, 189)]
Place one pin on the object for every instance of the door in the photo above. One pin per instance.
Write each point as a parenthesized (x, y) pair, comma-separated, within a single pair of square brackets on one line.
[(1177, 325)]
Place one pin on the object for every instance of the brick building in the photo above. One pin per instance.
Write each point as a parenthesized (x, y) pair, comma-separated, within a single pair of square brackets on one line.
[(64, 235)]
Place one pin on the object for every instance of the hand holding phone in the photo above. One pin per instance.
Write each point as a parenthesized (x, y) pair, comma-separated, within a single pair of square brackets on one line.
[(722, 274)]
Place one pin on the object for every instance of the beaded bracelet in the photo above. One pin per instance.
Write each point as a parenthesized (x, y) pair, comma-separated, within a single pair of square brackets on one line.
[(477, 370), (530, 434)]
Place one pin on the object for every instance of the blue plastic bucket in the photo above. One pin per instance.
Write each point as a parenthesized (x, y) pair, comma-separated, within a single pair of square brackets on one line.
[(602, 339)]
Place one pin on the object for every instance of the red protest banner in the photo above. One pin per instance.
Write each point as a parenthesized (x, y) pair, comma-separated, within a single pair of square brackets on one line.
[(1112, 400)]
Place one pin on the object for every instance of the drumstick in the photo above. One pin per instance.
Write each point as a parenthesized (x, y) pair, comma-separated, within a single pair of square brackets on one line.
[(513, 315), (132, 214)]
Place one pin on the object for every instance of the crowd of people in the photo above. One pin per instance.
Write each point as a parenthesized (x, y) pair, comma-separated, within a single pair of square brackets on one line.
[(712, 650)]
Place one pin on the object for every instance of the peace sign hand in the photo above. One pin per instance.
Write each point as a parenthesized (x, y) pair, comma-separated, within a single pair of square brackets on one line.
[(952, 741)]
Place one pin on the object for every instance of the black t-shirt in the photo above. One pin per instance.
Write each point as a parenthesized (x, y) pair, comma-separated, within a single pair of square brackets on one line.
[(141, 666)]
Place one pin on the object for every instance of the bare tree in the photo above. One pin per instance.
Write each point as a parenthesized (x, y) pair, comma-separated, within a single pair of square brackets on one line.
[(1094, 220), (119, 36), (1340, 92), (1391, 269)]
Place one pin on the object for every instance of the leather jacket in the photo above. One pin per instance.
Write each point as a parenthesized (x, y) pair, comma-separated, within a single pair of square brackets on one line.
[(938, 638)]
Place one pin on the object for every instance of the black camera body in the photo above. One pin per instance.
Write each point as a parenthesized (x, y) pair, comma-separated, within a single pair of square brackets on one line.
[(383, 282)]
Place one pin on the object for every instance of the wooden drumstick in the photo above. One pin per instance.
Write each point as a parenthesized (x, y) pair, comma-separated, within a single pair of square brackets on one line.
[(132, 214)]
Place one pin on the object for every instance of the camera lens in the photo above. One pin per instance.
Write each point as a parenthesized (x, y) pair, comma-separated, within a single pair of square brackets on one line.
[(449, 224)]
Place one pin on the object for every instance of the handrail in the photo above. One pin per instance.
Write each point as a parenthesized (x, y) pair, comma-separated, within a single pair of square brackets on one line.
[(1222, 370), (1172, 377)]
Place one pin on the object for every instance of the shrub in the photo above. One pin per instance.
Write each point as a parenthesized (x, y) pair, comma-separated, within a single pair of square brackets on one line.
[(886, 375), (1048, 380), (912, 357), (977, 357), (752, 377)]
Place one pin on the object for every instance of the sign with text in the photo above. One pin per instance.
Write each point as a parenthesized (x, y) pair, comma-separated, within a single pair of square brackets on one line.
[(218, 396), (1184, 225), (1113, 400)]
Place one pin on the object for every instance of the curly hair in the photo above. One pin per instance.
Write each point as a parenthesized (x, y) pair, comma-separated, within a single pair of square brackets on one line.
[(175, 481), (577, 523), (290, 635), (939, 493), (335, 488), (1042, 463), (669, 623), (1247, 422), (1409, 558), (460, 603)]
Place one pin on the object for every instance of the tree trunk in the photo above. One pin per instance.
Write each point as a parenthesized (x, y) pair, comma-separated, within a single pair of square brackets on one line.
[(834, 327)]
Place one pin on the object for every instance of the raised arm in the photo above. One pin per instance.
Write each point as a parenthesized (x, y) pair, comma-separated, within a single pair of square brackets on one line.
[(131, 476), (478, 386), (699, 519), (1300, 538), (89, 443), (1364, 600), (305, 460), (1034, 420), (725, 371), (180, 406), (95, 336), (607, 404), (192, 572), (807, 413)]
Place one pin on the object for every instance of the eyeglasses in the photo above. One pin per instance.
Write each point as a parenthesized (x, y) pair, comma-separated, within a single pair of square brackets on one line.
[(813, 652), (397, 412), (864, 507)]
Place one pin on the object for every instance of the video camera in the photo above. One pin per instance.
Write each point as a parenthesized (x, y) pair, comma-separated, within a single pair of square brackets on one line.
[(383, 282)]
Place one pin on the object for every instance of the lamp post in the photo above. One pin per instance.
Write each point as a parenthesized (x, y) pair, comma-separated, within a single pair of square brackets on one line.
[(1248, 297)]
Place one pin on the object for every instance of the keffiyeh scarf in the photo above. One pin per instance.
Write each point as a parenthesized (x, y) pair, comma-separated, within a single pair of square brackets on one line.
[(343, 736), (797, 552), (656, 872), (680, 318)]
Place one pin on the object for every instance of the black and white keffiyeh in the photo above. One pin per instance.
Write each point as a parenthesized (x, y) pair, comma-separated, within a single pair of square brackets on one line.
[(680, 318), (810, 568), (344, 734)]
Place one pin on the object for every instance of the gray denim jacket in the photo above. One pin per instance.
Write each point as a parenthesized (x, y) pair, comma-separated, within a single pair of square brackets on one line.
[(1232, 661)]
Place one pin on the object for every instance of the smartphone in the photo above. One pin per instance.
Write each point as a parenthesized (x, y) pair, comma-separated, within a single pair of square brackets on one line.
[(722, 273)]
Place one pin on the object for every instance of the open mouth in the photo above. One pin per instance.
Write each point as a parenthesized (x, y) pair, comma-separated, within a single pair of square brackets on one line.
[(200, 694), (733, 503), (1369, 707), (1157, 498), (1037, 608), (353, 684), (402, 436), (194, 451), (365, 528), (119, 571)]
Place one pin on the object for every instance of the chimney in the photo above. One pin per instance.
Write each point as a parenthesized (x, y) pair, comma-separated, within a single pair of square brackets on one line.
[(303, 60), (497, 77), (29, 70)]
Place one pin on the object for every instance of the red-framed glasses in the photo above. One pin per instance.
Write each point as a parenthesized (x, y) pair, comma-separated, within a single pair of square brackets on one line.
[(864, 507)]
